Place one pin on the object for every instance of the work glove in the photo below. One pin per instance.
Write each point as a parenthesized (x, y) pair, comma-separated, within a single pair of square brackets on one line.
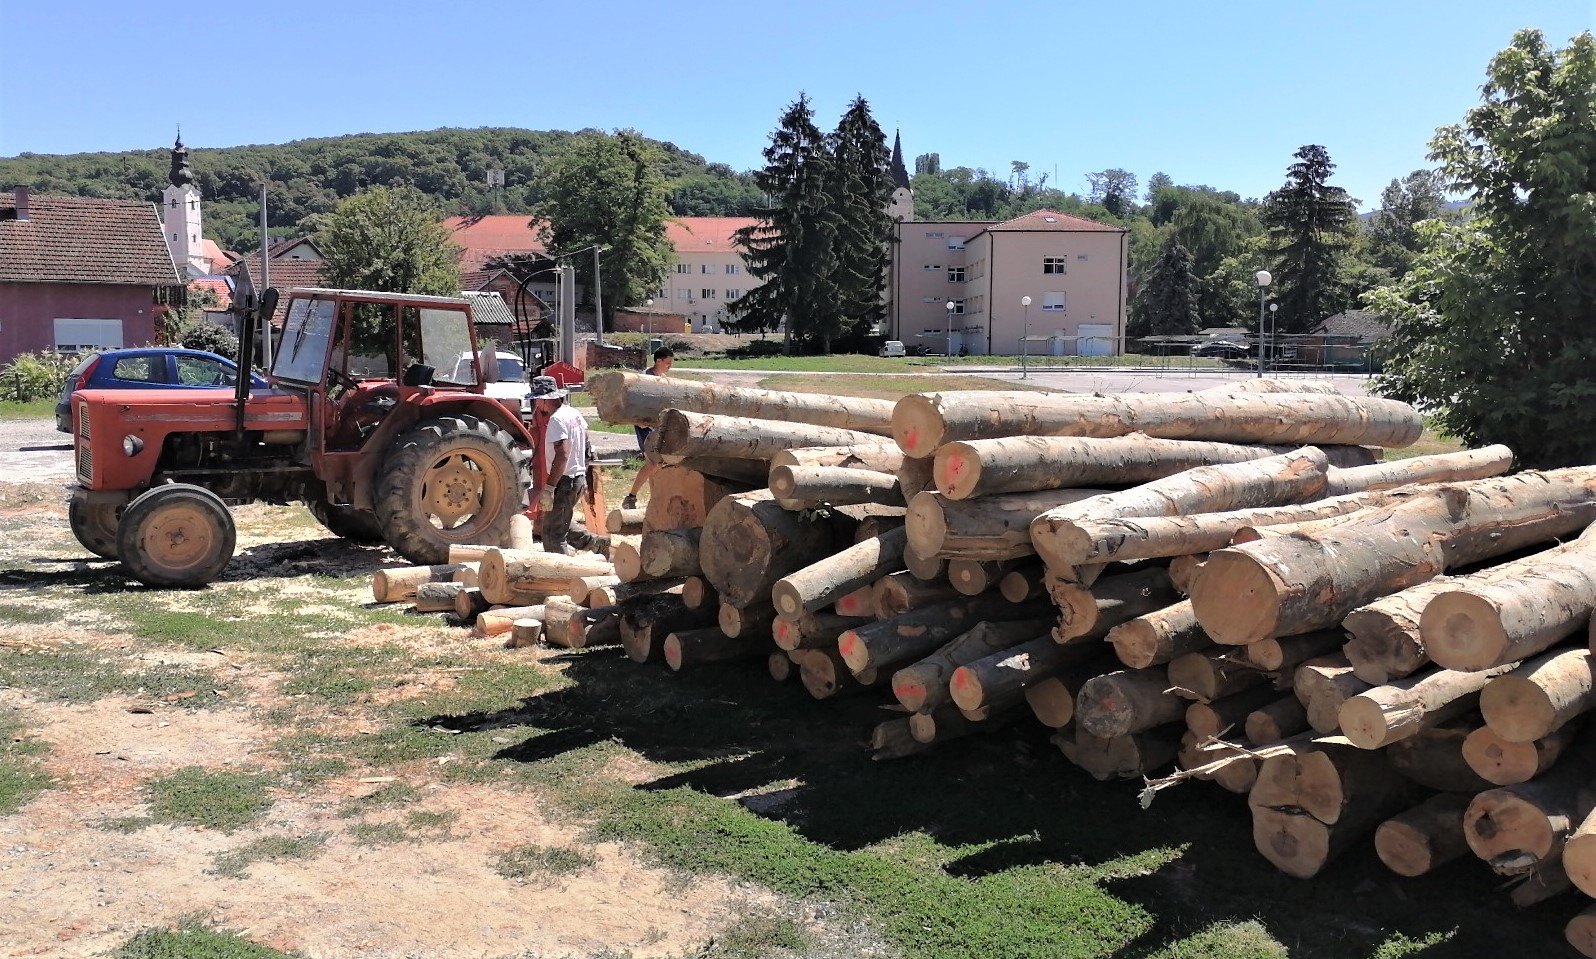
[(546, 498)]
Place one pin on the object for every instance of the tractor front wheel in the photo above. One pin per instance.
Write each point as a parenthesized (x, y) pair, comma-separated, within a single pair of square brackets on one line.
[(94, 523), (176, 535), (452, 481)]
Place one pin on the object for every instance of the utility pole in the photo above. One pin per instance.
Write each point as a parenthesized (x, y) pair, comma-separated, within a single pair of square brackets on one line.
[(567, 313), (265, 283), (598, 299)]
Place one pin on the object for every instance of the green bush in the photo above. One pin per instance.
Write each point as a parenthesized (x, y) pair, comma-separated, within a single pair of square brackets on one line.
[(205, 335), (35, 376)]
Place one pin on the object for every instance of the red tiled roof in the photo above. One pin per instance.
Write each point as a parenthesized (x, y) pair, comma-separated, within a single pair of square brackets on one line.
[(217, 285), (705, 234), (77, 240), (1048, 221), (484, 237), (285, 274), (218, 258)]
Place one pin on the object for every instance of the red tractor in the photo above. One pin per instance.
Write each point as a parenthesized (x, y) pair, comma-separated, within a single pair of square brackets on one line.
[(371, 421)]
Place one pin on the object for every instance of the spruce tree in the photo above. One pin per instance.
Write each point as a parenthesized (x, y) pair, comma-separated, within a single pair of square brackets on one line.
[(1311, 224), (792, 246), (1166, 305), (860, 189)]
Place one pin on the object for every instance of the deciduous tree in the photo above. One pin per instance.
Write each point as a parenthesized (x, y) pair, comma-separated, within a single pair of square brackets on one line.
[(389, 239), (1393, 229)]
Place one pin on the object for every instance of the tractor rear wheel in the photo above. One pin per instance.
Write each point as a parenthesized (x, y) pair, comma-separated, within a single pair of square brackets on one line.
[(176, 535), (94, 523), (347, 522), (452, 481)]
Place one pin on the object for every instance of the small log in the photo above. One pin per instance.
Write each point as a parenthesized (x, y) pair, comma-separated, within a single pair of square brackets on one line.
[(825, 675), (1001, 675), (1547, 879), (972, 577), (625, 522), (557, 614), (647, 587), (889, 642), (1131, 756), (1513, 827), (1301, 846), (462, 555), (1436, 468), (1220, 717), (1581, 931), (1435, 758), (744, 623), (467, 576), (923, 686), (437, 597), (503, 572), (1384, 714), (469, 603), (1110, 601), (748, 473), (662, 554), (521, 534), (1285, 654), (581, 588), (1540, 696), (679, 432), (819, 584), (1155, 638), (1429, 835), (647, 620), (898, 594), (1281, 719), (781, 667), (399, 585), (812, 630), (1579, 855), (923, 567), (872, 526), (892, 740), (998, 527), (1323, 685), (594, 627), (1051, 701), (626, 397), (1025, 583), (1183, 571), (858, 604), (695, 647), (501, 619), (1385, 642), (838, 485), (1127, 701), (698, 594), (1502, 762), (1213, 674), (525, 632)]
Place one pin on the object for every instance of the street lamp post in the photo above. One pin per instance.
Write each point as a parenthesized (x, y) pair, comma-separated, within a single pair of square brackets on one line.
[(1025, 336), (1274, 329), (950, 308), (648, 322), (1264, 279)]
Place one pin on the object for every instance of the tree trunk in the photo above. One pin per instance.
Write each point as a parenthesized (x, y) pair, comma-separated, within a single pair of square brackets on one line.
[(745, 473), (1226, 716), (1155, 638), (1126, 538), (437, 597), (466, 555), (1513, 611), (1127, 701), (556, 616), (1435, 759), (1269, 384), (857, 604), (399, 585), (1020, 464), (1025, 582), (1540, 696), (1281, 719), (1500, 762), (698, 594), (889, 642), (580, 588), (1430, 834), (1579, 856), (1513, 827), (1131, 756), (681, 498), (746, 622), (838, 485), (923, 686), (525, 632), (625, 522), (1386, 643), (1285, 654), (625, 397), (781, 667), (1298, 584), (670, 553), (813, 630), (1384, 714), (882, 457), (1439, 468), (899, 593), (1323, 685), (1326, 780), (923, 423), (504, 572), (647, 620), (466, 576), (749, 543), (1001, 676), (695, 647), (949, 723), (1052, 702), (927, 568), (1111, 601), (594, 627), (1271, 481), (646, 587), (687, 434), (499, 620), (995, 528), (1581, 932), (819, 584)]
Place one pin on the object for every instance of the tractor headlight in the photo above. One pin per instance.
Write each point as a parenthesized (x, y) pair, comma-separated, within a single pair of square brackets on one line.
[(132, 445)]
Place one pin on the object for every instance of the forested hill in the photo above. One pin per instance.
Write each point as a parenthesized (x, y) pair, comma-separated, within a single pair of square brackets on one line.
[(305, 177)]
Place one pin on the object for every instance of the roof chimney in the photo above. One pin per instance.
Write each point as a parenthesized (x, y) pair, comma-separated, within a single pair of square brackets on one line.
[(22, 203)]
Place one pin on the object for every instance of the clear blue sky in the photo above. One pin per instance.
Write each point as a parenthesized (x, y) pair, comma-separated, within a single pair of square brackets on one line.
[(1214, 93)]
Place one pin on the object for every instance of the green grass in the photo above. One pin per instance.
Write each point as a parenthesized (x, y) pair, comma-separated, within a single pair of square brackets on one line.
[(84, 674), (1429, 443), (20, 776), (379, 834), (224, 801), (389, 796), (27, 615), (235, 864), (31, 410), (193, 940), (541, 864)]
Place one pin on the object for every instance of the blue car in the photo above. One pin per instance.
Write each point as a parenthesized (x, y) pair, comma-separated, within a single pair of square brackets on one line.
[(148, 368)]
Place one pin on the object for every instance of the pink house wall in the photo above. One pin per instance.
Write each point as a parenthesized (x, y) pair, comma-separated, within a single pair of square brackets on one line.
[(28, 312)]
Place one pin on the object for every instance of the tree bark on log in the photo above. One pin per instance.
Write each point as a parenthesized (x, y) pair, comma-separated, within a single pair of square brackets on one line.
[(1285, 654), (1515, 610), (681, 498), (899, 593), (625, 397), (749, 543), (998, 527), (556, 616), (923, 685), (819, 584), (1156, 638), (500, 619), (1540, 696), (1212, 674), (1435, 759), (1227, 715), (698, 594), (695, 647), (580, 588), (1111, 601), (1514, 827), (646, 587), (922, 423), (745, 473), (1297, 584), (502, 572), (682, 433), (813, 630), (915, 476), (1386, 643), (1439, 468), (882, 457), (1001, 676), (666, 554), (463, 555), (1323, 685), (625, 522), (1021, 464), (437, 597), (1429, 835), (469, 603), (922, 567), (1271, 481), (1500, 762), (647, 620), (746, 622), (1281, 719), (838, 485), (1384, 714), (399, 585), (1127, 701), (888, 643), (1132, 756)]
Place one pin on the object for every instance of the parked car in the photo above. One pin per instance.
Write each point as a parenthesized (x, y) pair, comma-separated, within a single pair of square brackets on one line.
[(1222, 349), (148, 368), (510, 388), (893, 348)]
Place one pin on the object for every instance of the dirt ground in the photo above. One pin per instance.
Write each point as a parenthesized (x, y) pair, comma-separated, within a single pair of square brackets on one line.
[(72, 887)]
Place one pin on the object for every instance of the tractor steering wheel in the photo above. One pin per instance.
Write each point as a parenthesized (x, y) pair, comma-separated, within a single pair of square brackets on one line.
[(337, 377)]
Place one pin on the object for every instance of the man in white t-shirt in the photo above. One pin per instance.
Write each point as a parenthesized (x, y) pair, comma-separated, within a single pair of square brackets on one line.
[(565, 456)]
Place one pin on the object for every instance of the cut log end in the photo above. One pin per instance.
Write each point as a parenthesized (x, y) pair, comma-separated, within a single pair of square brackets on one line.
[(1517, 709), (1235, 598), (917, 426), (789, 601), (957, 471), (1364, 723), (853, 651), (1462, 631)]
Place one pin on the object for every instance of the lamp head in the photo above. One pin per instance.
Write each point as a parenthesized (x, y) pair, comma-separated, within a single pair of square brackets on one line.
[(1025, 301), (949, 306), (1264, 279), (1273, 307)]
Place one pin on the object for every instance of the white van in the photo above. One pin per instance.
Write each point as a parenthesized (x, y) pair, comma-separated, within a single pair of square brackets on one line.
[(893, 348)]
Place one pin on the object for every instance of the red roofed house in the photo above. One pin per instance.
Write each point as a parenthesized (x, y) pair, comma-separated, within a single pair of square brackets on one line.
[(80, 274)]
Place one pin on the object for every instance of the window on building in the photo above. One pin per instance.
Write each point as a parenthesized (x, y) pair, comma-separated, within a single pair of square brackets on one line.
[(733, 294), (683, 268), (174, 202), (1055, 264), (174, 237), (1080, 257), (933, 266), (958, 307), (193, 204), (193, 238), (684, 294), (1053, 301), (664, 292), (706, 294), (955, 274), (933, 236), (732, 269), (705, 268), (955, 242)]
